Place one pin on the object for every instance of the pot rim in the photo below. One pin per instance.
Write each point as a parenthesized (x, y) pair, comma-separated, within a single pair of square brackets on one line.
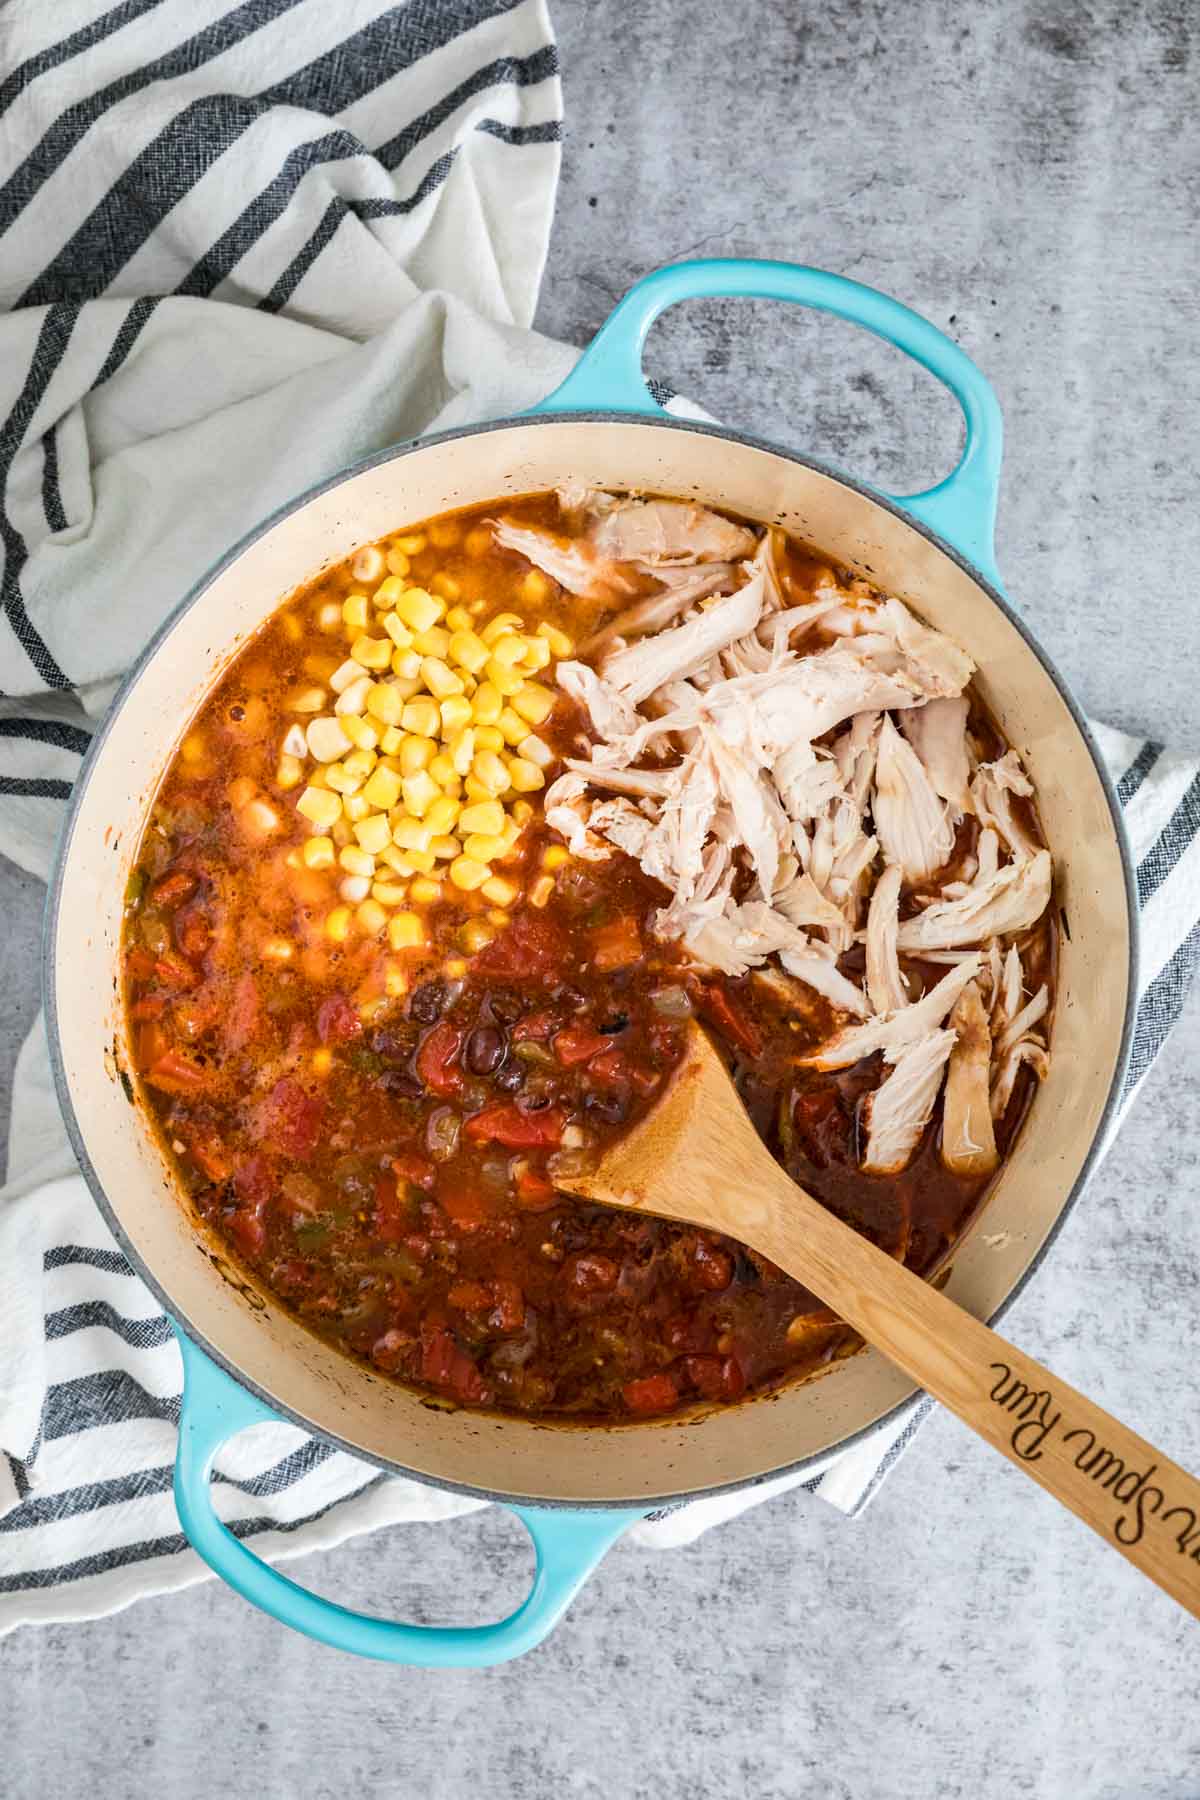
[(819, 1460)]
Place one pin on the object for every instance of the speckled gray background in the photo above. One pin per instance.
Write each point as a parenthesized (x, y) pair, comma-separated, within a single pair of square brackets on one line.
[(1029, 176)]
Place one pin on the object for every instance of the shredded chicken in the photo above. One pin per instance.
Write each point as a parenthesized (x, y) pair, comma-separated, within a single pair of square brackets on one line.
[(896, 1031), (885, 983), (897, 1113), (992, 790), (673, 655), (913, 824), (682, 589), (968, 1138), (1015, 897), (1028, 1050), (675, 532), (937, 732)]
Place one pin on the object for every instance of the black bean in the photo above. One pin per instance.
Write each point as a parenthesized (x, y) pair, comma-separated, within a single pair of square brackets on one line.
[(570, 996), (400, 1084), (428, 1002), (610, 1027), (510, 1078), (391, 1044), (486, 1050), (504, 1006), (610, 1104)]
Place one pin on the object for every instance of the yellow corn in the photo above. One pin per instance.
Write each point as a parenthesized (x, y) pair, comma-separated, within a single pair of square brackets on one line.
[(412, 543), (462, 751), (388, 592), (395, 981), (520, 812), (468, 650), (371, 916), (512, 726), (487, 703), (434, 642), (384, 704), (446, 586), (422, 717), (488, 769), (443, 771), (488, 738), (406, 666), (445, 846), (363, 733), (535, 588), (319, 805), (419, 609), (355, 808), (416, 753), (483, 847), (508, 649), (422, 861), (391, 740), (290, 772), (359, 762), (526, 777), (326, 740), (398, 631), (504, 677), (372, 653), (405, 931), (337, 924), (475, 936), (560, 644), (356, 861), (389, 893), (503, 622), (444, 532), (541, 890), (411, 834), (305, 700), (457, 619), (329, 616), (534, 702), (354, 611), (537, 654), (342, 832), (397, 562), (468, 874), (420, 792), (484, 815), (424, 890), (499, 891), (440, 678), (442, 813), (474, 789), (383, 788), (374, 834), (317, 853), (456, 712), (478, 541), (555, 858)]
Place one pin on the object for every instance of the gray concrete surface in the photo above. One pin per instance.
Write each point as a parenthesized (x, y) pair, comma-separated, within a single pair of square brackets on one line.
[(1028, 175)]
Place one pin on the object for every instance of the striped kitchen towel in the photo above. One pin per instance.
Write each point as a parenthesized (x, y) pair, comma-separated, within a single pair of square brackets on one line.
[(242, 246)]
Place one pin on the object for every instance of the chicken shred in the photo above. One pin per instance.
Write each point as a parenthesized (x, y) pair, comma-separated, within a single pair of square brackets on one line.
[(898, 1111), (913, 824), (968, 1135)]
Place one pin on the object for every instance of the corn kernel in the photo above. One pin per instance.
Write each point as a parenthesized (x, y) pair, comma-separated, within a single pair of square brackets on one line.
[(487, 703), (405, 931), (406, 666), (354, 888), (388, 592), (421, 716), (372, 653), (353, 700), (434, 642), (488, 737), (395, 981), (384, 703), (359, 763), (420, 791), (541, 890), (520, 812), (425, 890), (363, 733), (484, 815), (397, 562), (534, 702), (462, 751), (526, 777), (322, 1060), (326, 740), (383, 787), (474, 789), (391, 740), (355, 808), (319, 805), (483, 847), (468, 874), (446, 586), (398, 631), (421, 861), (290, 772), (456, 712), (356, 861), (416, 753), (535, 589), (442, 814), (342, 832), (374, 834), (371, 916), (354, 611), (411, 834), (317, 853), (511, 834), (502, 623), (478, 541), (560, 644), (537, 654), (499, 891), (337, 924), (555, 858), (457, 619), (512, 726), (344, 674), (396, 860), (535, 750), (475, 936), (419, 609), (508, 650), (329, 616), (412, 543), (445, 846), (503, 676), (389, 893), (440, 678), (468, 650), (444, 532), (443, 771)]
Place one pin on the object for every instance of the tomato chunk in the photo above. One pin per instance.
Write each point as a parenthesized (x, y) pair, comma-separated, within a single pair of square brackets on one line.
[(616, 946), (290, 1119), (445, 1365), (337, 1020), (731, 1020), (515, 1129), (578, 1043), (173, 972), (242, 1021), (532, 945), (173, 889), (175, 1073), (437, 1059), (650, 1393), (535, 1190)]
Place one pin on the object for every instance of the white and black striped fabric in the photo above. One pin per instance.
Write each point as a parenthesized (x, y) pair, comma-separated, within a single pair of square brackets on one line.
[(240, 246)]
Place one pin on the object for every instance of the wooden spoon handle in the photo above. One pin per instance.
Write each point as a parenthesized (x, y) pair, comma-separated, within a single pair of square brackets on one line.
[(1126, 1490)]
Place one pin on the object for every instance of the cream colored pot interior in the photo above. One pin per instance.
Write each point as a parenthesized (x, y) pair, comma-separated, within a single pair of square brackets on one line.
[(262, 1344)]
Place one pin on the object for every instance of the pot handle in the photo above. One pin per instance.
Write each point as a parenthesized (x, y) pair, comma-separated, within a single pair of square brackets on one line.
[(569, 1545), (608, 376)]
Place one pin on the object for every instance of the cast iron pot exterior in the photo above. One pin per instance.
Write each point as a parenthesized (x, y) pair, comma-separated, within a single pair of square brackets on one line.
[(606, 1476)]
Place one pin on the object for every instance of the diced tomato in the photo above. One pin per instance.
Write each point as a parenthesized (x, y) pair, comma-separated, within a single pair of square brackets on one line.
[(174, 972), (209, 1156), (173, 889), (193, 933), (508, 1310), (617, 945), (517, 1130), (390, 1352), (437, 1057), (462, 1199), (337, 1020), (579, 1043), (650, 1394), (248, 1229), (408, 1166), (730, 1019), (532, 945), (241, 1023), (715, 1377), (445, 1365), (151, 1044), (535, 1190), (537, 1026), (175, 1073), (254, 1180), (139, 964), (616, 1065), (152, 1007), (470, 1296), (290, 1119), (194, 1017)]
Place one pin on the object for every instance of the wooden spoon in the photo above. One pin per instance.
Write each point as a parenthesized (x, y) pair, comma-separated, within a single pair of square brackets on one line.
[(696, 1157)]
